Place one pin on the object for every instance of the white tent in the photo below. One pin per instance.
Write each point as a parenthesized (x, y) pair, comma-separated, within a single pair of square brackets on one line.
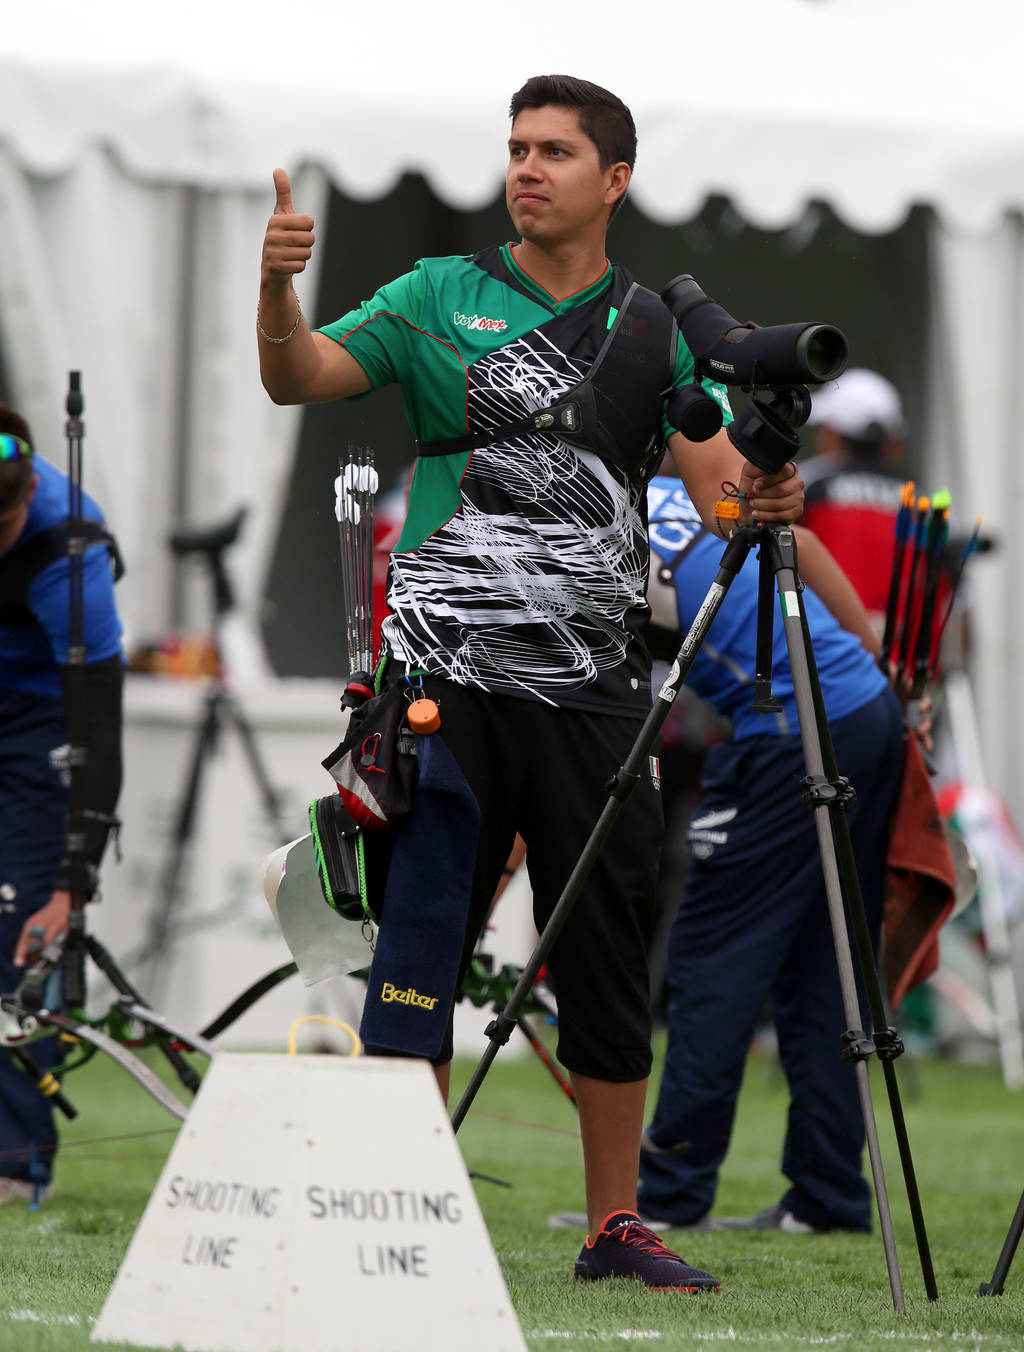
[(135, 156)]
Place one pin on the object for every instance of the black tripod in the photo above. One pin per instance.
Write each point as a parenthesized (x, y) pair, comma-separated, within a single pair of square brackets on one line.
[(827, 795), (220, 708)]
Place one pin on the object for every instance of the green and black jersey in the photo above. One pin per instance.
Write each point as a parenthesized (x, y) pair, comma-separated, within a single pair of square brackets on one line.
[(522, 566)]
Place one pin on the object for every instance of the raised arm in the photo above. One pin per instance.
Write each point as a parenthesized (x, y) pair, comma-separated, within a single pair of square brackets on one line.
[(296, 365)]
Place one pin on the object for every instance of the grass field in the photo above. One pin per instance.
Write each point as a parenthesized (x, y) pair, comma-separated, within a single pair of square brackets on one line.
[(57, 1264)]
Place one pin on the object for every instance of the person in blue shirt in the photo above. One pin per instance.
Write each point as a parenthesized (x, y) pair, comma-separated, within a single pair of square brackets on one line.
[(34, 753), (753, 925)]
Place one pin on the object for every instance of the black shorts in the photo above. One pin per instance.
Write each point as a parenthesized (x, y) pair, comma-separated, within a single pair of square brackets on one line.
[(545, 773)]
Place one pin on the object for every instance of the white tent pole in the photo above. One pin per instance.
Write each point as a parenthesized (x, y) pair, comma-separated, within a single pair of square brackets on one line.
[(979, 300), (182, 381)]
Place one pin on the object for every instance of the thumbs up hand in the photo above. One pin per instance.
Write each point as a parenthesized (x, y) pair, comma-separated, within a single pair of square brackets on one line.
[(289, 238), (297, 365)]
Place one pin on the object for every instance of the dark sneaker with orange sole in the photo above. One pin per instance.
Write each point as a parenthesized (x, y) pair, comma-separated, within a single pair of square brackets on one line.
[(625, 1247)]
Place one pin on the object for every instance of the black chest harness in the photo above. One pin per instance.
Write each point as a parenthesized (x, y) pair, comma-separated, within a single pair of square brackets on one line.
[(20, 566), (615, 411)]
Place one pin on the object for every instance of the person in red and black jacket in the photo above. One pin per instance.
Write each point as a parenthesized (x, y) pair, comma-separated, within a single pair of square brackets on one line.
[(854, 480)]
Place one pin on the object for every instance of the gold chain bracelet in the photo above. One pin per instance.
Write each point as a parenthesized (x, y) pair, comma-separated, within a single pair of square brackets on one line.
[(289, 335)]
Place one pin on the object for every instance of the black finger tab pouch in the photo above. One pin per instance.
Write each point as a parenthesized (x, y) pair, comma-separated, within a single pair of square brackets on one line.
[(337, 849)]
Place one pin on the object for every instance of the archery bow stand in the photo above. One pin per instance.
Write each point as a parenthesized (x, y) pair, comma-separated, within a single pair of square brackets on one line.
[(827, 794)]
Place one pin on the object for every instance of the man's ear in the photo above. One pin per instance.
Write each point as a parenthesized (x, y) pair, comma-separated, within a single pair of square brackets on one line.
[(618, 182)]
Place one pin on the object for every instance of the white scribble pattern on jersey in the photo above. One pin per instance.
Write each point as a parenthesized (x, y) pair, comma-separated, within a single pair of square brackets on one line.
[(528, 587)]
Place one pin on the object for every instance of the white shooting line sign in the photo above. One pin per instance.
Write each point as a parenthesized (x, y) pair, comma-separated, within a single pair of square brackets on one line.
[(313, 1204)]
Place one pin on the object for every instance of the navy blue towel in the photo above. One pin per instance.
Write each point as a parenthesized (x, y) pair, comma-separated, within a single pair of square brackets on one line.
[(411, 986)]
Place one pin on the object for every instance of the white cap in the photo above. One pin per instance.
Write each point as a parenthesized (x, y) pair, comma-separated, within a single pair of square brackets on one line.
[(860, 405)]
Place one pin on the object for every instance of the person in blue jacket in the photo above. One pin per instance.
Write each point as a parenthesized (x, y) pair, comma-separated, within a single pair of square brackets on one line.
[(753, 925), (35, 899)]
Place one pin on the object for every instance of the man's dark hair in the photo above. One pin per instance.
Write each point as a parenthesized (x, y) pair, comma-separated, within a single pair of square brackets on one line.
[(15, 475), (603, 116)]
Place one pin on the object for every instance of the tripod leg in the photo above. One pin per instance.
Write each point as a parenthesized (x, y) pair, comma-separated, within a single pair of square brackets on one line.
[(858, 1047), (168, 894), (995, 1286), (268, 794), (833, 834), (886, 1040)]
